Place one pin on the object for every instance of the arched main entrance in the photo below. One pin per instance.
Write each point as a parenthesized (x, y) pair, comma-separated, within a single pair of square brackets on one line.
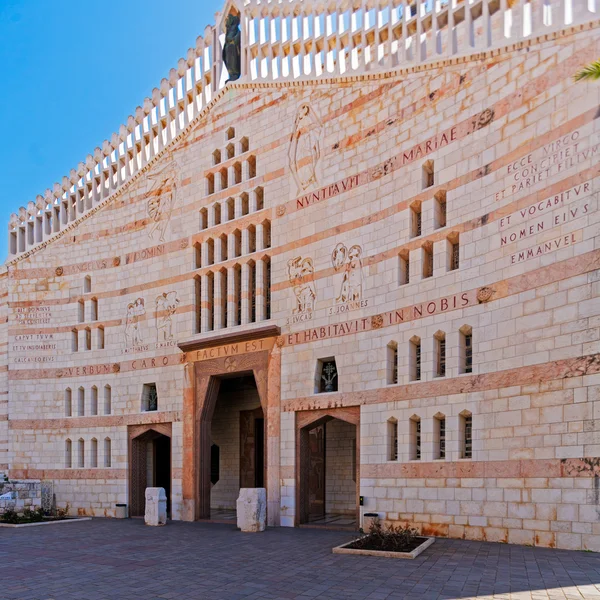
[(212, 364), (149, 464)]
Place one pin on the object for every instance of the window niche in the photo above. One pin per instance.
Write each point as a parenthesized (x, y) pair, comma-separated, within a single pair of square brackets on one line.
[(414, 359), (466, 434), (100, 338), (392, 363), (404, 267), (87, 284), (439, 209), (415, 438), (465, 355), (68, 454), (439, 436), (415, 220), (107, 453), (428, 174), (327, 376), (149, 397), (453, 250), (427, 255), (439, 340), (68, 403), (107, 400), (392, 433)]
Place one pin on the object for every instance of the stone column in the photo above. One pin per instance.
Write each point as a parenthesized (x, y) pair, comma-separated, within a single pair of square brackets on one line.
[(218, 302), (204, 254), (238, 207), (231, 300), (205, 308), (245, 242), (260, 291), (253, 202), (245, 292), (260, 236)]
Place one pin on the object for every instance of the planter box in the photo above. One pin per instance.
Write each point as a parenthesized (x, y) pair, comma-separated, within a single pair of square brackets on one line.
[(56, 522), (343, 549)]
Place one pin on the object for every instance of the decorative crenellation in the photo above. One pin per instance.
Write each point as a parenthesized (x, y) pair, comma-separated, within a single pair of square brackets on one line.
[(280, 42)]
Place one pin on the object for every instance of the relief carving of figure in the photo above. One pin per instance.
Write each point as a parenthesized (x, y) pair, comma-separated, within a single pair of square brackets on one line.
[(350, 261), (305, 148), (166, 304), (232, 54), (133, 335), (161, 200), (304, 290)]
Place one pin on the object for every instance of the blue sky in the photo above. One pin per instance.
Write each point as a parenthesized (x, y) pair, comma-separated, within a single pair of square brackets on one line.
[(71, 73)]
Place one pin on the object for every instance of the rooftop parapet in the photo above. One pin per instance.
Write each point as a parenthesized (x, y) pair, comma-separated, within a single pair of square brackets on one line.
[(285, 40)]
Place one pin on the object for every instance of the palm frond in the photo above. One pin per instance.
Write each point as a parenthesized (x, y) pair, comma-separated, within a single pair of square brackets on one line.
[(591, 72)]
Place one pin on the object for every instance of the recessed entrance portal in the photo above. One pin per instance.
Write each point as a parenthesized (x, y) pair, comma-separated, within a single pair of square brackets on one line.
[(328, 473), (237, 439), (150, 466)]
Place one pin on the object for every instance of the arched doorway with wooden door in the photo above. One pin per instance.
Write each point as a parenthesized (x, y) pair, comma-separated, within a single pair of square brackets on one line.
[(327, 467), (149, 464)]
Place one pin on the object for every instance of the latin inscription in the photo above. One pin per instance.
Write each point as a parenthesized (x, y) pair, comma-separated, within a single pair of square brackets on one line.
[(35, 342), (33, 315), (554, 158), (551, 246), (234, 349), (402, 315)]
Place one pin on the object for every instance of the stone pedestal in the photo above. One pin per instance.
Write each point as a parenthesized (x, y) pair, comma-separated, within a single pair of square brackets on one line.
[(156, 506), (252, 509)]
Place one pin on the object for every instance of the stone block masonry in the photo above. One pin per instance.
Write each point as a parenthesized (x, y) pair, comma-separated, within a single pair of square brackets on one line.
[(400, 260)]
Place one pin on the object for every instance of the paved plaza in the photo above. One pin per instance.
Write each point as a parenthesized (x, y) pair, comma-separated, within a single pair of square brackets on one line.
[(106, 558)]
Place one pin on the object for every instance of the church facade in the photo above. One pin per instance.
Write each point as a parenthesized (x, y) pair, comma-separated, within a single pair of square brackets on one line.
[(363, 274)]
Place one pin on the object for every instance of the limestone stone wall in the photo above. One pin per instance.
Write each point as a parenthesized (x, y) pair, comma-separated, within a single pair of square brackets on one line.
[(337, 193)]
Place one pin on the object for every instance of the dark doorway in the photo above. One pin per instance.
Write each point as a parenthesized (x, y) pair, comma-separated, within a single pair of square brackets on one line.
[(237, 437), (150, 466)]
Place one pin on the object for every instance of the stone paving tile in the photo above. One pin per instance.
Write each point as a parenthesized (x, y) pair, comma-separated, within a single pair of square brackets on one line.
[(108, 559)]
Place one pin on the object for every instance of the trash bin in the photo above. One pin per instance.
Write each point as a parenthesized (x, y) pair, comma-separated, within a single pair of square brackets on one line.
[(121, 511), (368, 519)]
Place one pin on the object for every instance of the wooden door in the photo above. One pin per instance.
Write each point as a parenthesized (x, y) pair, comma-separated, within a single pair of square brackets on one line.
[(316, 472)]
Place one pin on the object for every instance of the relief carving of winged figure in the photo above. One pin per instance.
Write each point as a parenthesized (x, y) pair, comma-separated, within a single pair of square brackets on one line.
[(305, 148)]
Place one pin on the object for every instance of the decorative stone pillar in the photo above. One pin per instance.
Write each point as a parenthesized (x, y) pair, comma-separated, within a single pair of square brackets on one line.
[(245, 242), (205, 308), (245, 292), (231, 300), (253, 201), (204, 254), (260, 291), (238, 207), (260, 236), (220, 318)]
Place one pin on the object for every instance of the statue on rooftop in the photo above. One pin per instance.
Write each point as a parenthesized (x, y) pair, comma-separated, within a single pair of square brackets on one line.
[(232, 54)]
